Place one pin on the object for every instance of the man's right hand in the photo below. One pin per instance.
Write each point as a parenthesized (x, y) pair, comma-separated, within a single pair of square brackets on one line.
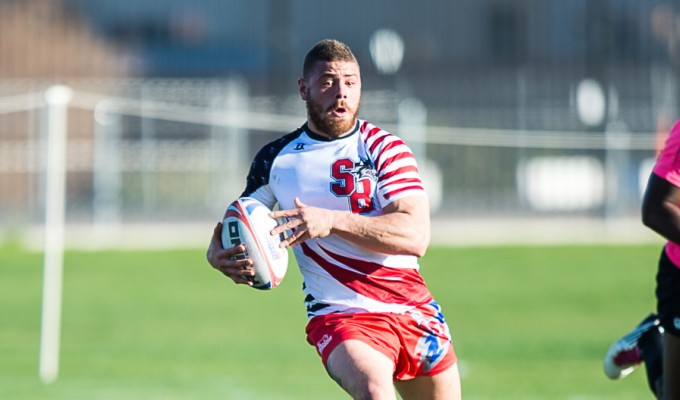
[(225, 260)]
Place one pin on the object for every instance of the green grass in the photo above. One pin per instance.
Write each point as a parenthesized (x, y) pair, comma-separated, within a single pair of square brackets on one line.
[(527, 322)]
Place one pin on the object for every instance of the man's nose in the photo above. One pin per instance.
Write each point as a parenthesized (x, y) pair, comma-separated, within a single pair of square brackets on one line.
[(341, 92)]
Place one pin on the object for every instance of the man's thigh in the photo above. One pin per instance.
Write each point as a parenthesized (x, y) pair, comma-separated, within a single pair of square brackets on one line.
[(671, 366), (443, 386), (361, 370)]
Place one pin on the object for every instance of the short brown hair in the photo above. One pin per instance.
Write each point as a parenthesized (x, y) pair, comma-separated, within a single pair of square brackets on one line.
[(327, 50)]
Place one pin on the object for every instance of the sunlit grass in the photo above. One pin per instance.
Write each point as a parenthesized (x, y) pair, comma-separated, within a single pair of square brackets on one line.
[(528, 323)]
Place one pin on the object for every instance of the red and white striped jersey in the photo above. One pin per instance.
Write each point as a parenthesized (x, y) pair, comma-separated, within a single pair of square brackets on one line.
[(359, 173)]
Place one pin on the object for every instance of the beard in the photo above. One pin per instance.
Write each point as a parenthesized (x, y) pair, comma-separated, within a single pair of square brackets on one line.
[(328, 125)]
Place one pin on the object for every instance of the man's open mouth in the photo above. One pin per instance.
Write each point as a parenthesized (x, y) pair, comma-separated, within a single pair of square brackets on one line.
[(339, 111)]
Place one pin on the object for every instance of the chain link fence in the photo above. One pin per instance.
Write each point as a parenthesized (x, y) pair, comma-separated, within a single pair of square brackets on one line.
[(172, 153)]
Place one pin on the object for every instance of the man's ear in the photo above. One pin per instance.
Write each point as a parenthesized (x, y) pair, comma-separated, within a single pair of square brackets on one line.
[(302, 87)]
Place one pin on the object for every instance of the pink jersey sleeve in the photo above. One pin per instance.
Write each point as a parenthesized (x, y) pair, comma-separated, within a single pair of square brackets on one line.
[(668, 167), (668, 164)]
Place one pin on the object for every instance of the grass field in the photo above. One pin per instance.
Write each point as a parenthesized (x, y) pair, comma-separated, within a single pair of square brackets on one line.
[(528, 323)]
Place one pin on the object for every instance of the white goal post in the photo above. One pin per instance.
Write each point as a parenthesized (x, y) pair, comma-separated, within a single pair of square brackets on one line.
[(57, 98)]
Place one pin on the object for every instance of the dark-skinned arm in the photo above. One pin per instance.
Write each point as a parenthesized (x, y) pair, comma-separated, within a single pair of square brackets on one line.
[(660, 208)]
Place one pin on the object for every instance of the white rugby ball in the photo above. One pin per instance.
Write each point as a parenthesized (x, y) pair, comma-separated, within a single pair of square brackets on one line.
[(247, 221)]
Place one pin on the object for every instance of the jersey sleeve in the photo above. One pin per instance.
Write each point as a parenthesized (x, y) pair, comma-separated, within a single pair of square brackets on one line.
[(396, 166), (257, 181), (668, 163)]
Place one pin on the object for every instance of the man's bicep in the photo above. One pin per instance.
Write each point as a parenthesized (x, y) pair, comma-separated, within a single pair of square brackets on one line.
[(415, 210), (659, 192), (660, 210), (415, 205)]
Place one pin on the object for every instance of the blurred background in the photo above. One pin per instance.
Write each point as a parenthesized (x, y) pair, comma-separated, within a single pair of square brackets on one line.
[(533, 120)]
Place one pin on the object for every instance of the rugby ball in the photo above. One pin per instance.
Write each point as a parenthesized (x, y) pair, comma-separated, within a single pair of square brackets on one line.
[(247, 221)]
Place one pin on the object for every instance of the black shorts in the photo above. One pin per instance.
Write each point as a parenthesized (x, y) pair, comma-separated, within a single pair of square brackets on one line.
[(668, 295)]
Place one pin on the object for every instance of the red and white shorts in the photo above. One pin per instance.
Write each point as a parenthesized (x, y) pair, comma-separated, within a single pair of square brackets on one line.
[(418, 342)]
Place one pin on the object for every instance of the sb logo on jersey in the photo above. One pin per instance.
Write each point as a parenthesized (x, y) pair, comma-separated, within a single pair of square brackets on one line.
[(354, 181)]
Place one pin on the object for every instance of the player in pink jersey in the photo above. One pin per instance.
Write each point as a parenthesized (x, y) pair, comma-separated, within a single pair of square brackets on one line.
[(656, 340), (358, 218)]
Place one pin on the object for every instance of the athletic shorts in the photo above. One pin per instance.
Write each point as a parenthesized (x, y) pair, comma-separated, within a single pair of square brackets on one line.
[(418, 342), (668, 295)]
